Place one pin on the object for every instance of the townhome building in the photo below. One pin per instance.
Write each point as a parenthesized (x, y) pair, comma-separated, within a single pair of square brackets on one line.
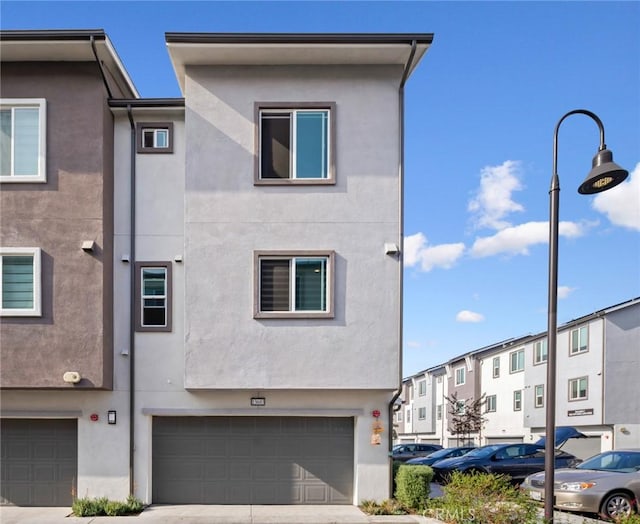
[(56, 253), (246, 357)]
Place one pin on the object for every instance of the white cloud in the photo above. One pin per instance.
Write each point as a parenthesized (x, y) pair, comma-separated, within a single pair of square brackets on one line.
[(622, 203), (516, 240), (469, 316), (418, 252), (493, 199), (413, 344), (565, 291)]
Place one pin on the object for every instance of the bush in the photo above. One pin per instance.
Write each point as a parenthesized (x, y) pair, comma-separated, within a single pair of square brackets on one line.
[(98, 507), (484, 499), (412, 486), (386, 507)]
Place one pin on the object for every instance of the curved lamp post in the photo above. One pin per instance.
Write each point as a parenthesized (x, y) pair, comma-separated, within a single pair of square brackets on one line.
[(604, 175)]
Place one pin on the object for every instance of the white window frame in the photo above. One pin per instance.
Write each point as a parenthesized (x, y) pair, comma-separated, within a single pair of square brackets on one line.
[(399, 415), (461, 376), (422, 413), (461, 407), (407, 417), (41, 105), (540, 351), (491, 404), (35, 252), (422, 388), (292, 256), (519, 362), (439, 412), (496, 367), (586, 389), (538, 399), (517, 400), (573, 350)]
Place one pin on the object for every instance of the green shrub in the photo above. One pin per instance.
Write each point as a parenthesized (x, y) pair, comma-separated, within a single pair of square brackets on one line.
[(386, 507), (412, 486), (102, 506), (484, 499)]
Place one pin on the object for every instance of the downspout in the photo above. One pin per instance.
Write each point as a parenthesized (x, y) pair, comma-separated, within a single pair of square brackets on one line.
[(398, 391), (99, 62), (132, 294)]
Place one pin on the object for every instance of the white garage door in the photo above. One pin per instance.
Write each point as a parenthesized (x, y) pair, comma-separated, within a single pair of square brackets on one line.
[(252, 460)]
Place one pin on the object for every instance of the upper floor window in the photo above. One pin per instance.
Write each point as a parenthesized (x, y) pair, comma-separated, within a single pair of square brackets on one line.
[(439, 412), (294, 284), (20, 284), (517, 400), (540, 351), (539, 396), (422, 388), (516, 361), (408, 416), (422, 413), (579, 340), (154, 137), (578, 388), (460, 376), (491, 403), (496, 367), (399, 416), (153, 296), (296, 143), (23, 140), (460, 407)]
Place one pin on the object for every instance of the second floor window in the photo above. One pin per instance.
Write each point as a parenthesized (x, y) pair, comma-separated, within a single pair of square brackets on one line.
[(460, 376), (578, 388), (517, 400), (20, 284), (439, 412), (422, 413), (539, 396), (23, 140), (295, 144), (540, 351), (579, 342), (516, 360), (153, 300), (491, 403)]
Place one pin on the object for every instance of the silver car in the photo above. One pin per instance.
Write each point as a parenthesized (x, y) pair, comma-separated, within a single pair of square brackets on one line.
[(607, 484)]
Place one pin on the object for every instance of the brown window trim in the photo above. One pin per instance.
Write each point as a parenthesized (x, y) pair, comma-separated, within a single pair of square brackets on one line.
[(331, 168), (141, 126), (138, 296)]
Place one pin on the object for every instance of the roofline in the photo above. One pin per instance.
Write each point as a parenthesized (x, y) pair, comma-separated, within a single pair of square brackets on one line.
[(299, 38), (52, 34), (146, 102)]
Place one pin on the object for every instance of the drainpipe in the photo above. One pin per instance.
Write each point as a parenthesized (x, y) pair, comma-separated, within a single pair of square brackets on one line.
[(398, 391), (132, 294)]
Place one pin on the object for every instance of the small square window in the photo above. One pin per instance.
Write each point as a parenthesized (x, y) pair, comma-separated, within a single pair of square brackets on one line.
[(295, 143), (294, 284), (23, 133), (21, 281), (155, 137), (153, 296)]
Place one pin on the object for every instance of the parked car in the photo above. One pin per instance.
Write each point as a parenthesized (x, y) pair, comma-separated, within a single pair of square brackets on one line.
[(440, 455), (403, 452), (607, 484)]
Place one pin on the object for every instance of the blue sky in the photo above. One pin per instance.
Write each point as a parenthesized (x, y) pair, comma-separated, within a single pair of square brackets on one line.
[(481, 109)]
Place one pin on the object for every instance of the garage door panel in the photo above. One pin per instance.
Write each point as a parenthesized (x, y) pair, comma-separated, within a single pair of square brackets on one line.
[(267, 460)]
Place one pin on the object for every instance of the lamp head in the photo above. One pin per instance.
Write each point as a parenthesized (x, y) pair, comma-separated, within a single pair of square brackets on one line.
[(605, 174)]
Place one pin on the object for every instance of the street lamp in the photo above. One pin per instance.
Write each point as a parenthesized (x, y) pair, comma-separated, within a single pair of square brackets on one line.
[(605, 174)]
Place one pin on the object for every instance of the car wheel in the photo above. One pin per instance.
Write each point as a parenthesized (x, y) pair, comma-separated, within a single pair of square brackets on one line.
[(617, 505)]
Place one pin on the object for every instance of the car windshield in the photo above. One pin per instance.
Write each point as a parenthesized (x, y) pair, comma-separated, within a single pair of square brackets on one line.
[(482, 452), (440, 453), (620, 461)]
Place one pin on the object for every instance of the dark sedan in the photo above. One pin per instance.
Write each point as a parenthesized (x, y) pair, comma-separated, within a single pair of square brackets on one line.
[(403, 452), (515, 460), (441, 454)]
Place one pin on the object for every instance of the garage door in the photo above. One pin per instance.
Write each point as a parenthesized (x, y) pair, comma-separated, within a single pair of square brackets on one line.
[(252, 460), (39, 462), (503, 440), (583, 448)]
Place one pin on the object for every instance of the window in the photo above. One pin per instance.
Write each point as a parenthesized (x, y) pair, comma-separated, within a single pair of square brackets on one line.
[(153, 296), (579, 340), (422, 413), (540, 351), (461, 407), (439, 412), (491, 403), (578, 388), (20, 284), (294, 284), (399, 416), (422, 388), (296, 143), (517, 400), (516, 360), (154, 137), (496, 367), (539, 396), (408, 416), (460, 376), (23, 140)]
